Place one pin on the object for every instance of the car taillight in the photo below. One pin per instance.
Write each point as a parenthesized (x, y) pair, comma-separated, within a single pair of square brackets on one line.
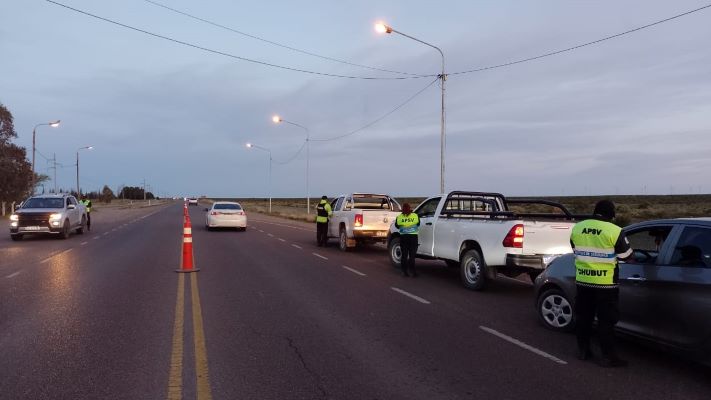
[(358, 220), (240, 212), (214, 213), (515, 237)]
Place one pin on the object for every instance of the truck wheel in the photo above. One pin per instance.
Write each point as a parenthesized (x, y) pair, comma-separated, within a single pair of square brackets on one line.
[(66, 230), (473, 270), (17, 237), (342, 240), (395, 252), (555, 311), (80, 230)]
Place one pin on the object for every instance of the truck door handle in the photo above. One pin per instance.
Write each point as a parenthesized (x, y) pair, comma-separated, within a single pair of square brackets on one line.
[(636, 278), (428, 223)]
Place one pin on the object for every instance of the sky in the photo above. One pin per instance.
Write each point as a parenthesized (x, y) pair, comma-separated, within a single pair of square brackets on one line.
[(631, 115)]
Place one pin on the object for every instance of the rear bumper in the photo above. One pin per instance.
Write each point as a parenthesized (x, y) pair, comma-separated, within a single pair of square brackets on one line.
[(379, 235), (227, 223), (530, 261)]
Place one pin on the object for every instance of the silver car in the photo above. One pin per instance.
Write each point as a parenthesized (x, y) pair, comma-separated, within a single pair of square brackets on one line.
[(665, 292)]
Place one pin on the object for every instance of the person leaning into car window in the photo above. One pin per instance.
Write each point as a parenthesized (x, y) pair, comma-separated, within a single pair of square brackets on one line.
[(597, 244)]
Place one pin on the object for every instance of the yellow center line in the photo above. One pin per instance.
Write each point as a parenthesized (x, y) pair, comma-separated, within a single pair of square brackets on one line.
[(175, 380), (203, 379)]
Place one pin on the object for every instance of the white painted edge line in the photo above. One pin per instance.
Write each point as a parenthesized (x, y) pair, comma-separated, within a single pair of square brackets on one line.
[(523, 345), (410, 295), (58, 254), (297, 246), (13, 275), (320, 256), (282, 240), (355, 271), (285, 225), (261, 231), (270, 235), (96, 237), (106, 233), (84, 243), (113, 230)]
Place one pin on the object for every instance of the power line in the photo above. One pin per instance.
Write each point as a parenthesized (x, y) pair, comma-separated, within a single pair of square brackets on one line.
[(292, 158), (581, 45), (222, 53), (309, 53), (368, 125)]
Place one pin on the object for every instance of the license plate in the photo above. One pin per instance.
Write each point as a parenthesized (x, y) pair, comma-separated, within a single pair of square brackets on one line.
[(381, 234), (31, 228)]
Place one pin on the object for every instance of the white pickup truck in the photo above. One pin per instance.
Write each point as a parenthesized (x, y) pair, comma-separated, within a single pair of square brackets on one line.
[(478, 233), (361, 218), (57, 214)]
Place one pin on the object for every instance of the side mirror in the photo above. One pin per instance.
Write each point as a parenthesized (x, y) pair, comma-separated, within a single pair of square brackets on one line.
[(18, 206), (71, 207)]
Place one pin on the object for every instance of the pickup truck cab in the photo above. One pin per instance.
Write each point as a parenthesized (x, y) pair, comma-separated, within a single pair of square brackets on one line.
[(361, 218), (48, 214), (478, 233)]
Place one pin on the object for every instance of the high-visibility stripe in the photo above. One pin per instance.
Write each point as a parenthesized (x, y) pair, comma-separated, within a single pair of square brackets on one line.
[(187, 240), (187, 230)]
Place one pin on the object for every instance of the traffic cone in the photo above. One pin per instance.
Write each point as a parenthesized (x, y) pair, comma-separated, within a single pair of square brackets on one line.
[(187, 262)]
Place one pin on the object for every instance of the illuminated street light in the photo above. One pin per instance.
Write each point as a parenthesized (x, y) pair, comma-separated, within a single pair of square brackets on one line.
[(81, 148), (53, 124), (277, 119), (381, 27), (254, 146)]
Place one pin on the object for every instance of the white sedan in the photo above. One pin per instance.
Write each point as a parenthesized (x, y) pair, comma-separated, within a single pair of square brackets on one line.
[(226, 214)]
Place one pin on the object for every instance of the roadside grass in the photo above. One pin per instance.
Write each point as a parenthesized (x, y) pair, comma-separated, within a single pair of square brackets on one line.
[(630, 208)]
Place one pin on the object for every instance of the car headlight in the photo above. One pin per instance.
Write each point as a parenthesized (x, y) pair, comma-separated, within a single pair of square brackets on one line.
[(14, 217), (55, 216)]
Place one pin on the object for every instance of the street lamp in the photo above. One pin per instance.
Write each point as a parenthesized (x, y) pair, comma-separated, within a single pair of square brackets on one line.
[(252, 145), (381, 27), (277, 119), (81, 148), (53, 124)]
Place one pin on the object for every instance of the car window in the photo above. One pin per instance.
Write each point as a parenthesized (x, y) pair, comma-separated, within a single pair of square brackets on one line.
[(693, 248), (348, 204), (227, 207), (647, 243), (72, 200), (39, 202), (428, 208), (339, 202)]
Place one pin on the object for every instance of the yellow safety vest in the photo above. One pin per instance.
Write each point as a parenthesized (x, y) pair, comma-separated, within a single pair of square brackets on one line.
[(323, 211), (594, 248), (408, 224), (87, 204)]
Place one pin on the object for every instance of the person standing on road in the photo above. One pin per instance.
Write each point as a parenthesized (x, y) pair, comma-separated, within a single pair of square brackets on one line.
[(408, 223), (598, 244), (87, 203), (323, 213)]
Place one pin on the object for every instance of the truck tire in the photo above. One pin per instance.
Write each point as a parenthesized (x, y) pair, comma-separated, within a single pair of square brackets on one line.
[(66, 230), (473, 270), (395, 252), (555, 311), (16, 237), (342, 240), (80, 229)]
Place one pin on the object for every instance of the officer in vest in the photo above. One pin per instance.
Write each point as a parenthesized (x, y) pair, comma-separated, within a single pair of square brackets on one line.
[(87, 203), (597, 244), (323, 213), (408, 223)]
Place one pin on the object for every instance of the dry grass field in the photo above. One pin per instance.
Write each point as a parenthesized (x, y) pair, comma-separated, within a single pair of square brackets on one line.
[(630, 209)]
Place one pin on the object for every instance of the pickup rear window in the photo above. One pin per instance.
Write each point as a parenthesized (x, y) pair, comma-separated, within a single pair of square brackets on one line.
[(37, 202), (374, 203)]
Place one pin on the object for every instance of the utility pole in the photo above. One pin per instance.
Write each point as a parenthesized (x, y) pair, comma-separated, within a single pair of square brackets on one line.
[(54, 166), (144, 189)]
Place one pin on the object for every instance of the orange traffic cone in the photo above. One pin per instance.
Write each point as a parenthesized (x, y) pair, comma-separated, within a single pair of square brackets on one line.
[(187, 262)]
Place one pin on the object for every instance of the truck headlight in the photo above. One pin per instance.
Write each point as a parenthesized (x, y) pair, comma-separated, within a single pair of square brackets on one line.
[(14, 217), (55, 216)]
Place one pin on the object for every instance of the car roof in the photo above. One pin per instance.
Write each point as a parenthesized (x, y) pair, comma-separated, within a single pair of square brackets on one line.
[(706, 221), (50, 196), (225, 202)]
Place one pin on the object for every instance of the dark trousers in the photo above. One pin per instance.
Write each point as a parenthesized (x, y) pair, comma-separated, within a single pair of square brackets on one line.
[(408, 245), (321, 233), (604, 303), (88, 221)]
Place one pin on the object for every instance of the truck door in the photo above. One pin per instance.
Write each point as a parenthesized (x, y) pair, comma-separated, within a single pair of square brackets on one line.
[(426, 212), (333, 222)]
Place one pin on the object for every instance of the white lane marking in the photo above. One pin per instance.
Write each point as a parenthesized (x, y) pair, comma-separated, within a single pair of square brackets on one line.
[(410, 295), (261, 231), (95, 237), (84, 243), (45, 260), (270, 235), (55, 255), (113, 230), (281, 240), (106, 233), (297, 246), (285, 225), (13, 275), (523, 345), (355, 271), (320, 256)]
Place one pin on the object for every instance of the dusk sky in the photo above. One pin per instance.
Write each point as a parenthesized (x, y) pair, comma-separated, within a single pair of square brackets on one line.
[(629, 115)]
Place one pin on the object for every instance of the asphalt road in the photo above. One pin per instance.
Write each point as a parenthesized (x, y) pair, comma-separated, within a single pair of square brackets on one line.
[(271, 316)]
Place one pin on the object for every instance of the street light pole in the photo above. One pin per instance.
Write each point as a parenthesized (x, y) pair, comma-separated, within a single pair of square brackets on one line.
[(381, 27), (53, 124), (252, 145), (277, 119), (81, 148)]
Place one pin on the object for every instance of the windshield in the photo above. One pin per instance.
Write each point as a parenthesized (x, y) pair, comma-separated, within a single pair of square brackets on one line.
[(39, 202), (227, 207)]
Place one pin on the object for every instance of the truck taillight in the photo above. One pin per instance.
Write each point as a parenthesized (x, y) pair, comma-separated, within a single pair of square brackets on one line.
[(358, 220), (213, 213), (515, 237)]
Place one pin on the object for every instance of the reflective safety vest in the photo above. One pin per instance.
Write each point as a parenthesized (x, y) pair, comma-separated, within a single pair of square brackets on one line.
[(408, 224), (323, 211), (87, 204), (594, 248)]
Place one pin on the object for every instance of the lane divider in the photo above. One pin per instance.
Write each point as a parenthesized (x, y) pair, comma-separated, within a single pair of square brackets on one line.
[(355, 271), (320, 256), (13, 275), (201, 367), (297, 246), (175, 378), (281, 240), (523, 345), (410, 295), (187, 261)]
